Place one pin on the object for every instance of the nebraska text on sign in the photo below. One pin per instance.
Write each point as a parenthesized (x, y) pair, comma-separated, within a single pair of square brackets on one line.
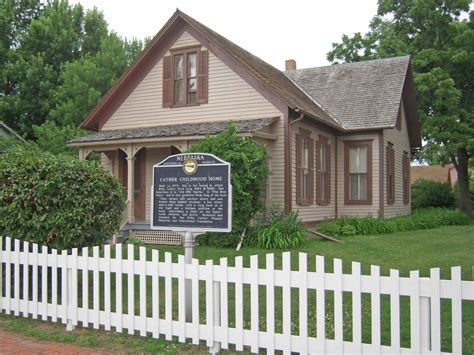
[(192, 192)]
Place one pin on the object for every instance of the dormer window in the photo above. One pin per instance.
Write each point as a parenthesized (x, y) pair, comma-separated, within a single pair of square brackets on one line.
[(185, 77)]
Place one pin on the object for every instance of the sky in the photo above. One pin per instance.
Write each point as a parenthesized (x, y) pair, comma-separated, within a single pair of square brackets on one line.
[(274, 30)]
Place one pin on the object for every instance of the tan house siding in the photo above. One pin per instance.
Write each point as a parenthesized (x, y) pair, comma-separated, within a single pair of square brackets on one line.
[(358, 210), (401, 143), (313, 212), (230, 98)]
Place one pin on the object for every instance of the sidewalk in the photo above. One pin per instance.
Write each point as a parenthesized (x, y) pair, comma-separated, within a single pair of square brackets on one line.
[(13, 343)]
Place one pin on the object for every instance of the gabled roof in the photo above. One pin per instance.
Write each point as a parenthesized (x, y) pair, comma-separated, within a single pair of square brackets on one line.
[(347, 97), (362, 95), (177, 130), (271, 78)]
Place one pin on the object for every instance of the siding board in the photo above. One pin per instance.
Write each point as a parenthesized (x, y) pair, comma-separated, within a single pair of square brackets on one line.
[(401, 143)]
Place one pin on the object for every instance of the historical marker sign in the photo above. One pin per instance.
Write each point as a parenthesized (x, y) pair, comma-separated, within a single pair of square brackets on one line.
[(191, 192)]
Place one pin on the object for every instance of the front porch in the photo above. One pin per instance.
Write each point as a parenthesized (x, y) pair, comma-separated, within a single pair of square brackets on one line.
[(130, 155)]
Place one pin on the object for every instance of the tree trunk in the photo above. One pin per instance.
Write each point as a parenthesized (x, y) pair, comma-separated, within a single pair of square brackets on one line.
[(462, 167)]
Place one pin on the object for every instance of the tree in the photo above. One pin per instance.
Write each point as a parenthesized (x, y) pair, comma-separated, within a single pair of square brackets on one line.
[(439, 35), (56, 61)]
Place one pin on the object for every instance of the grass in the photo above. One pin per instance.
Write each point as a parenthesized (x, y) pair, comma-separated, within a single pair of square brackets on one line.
[(415, 250)]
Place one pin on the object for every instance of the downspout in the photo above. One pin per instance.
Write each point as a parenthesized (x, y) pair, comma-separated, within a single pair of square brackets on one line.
[(290, 140)]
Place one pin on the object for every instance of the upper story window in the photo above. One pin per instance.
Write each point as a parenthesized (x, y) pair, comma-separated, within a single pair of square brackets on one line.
[(358, 172), (304, 168), (323, 169), (185, 77)]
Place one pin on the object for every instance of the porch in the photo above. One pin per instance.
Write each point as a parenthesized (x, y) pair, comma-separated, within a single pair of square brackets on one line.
[(130, 155)]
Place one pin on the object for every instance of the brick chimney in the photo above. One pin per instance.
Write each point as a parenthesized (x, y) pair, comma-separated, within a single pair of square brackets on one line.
[(290, 64)]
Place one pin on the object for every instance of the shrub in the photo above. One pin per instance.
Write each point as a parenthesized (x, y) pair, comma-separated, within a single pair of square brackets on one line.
[(57, 201), (278, 231), (420, 219), (249, 173), (425, 194), (218, 240)]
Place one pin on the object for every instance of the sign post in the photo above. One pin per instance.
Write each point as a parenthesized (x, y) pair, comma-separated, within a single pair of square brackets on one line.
[(192, 194)]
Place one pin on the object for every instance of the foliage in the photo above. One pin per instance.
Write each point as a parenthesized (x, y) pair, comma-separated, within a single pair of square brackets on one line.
[(420, 219), (56, 61), (439, 35), (52, 138), (457, 194), (218, 240), (249, 173), (57, 200), (426, 193), (278, 231)]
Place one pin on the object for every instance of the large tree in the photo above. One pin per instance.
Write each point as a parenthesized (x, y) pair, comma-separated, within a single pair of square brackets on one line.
[(439, 35), (56, 61)]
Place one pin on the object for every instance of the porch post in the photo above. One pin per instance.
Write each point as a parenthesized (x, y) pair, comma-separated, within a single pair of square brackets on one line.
[(131, 184), (81, 153)]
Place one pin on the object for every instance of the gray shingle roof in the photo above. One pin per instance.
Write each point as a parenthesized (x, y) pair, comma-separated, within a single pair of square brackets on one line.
[(178, 130), (362, 95)]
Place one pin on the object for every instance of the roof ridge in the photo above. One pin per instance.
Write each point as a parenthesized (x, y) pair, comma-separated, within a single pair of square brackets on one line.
[(334, 65)]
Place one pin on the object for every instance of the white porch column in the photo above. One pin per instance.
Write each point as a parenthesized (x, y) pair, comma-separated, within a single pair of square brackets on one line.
[(81, 153), (130, 184)]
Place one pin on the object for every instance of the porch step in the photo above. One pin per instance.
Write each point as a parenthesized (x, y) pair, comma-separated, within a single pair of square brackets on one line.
[(148, 236)]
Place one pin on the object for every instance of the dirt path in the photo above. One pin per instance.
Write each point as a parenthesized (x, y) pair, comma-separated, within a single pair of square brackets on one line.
[(13, 343)]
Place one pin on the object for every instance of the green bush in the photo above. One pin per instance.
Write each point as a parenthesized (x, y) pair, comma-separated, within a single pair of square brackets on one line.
[(57, 201), (278, 231), (249, 173), (425, 194), (419, 219), (218, 240)]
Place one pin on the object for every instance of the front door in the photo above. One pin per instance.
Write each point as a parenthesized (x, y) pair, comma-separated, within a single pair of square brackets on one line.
[(139, 182)]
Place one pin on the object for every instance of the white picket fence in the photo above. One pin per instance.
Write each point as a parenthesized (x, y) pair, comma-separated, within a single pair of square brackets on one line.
[(246, 306)]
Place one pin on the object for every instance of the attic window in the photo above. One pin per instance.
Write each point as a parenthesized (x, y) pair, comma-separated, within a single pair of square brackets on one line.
[(185, 77)]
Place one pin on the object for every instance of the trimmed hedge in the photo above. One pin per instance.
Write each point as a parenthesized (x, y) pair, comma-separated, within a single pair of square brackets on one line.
[(58, 201), (419, 219)]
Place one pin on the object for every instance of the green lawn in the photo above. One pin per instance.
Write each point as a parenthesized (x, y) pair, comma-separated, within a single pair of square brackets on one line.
[(416, 250)]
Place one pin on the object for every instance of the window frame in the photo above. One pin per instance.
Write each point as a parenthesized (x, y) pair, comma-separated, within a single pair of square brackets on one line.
[(304, 134), (390, 173), (185, 52), (348, 144), (323, 141)]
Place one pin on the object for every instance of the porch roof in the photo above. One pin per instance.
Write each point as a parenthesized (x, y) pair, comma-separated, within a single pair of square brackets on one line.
[(177, 130)]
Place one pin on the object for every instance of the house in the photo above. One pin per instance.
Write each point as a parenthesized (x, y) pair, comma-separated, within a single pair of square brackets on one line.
[(439, 173), (6, 131), (338, 137)]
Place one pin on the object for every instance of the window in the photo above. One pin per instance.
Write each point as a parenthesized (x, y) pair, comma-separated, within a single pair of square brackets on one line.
[(358, 172), (185, 77), (390, 174), (323, 171), (406, 177), (304, 168)]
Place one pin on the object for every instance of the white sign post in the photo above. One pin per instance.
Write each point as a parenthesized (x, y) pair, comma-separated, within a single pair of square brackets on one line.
[(192, 194)]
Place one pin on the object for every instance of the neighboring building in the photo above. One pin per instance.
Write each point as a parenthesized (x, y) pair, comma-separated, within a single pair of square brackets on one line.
[(6, 131), (439, 173), (338, 137)]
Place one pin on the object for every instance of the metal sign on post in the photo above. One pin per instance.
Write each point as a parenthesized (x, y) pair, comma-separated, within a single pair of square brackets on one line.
[(191, 193)]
